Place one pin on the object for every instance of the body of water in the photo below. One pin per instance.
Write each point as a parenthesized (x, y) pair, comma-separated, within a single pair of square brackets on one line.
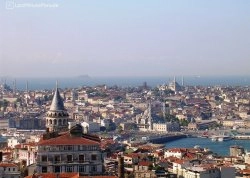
[(221, 148), (74, 82)]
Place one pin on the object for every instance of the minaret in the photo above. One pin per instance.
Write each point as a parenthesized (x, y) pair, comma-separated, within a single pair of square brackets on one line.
[(14, 87), (150, 117), (27, 87), (57, 116), (163, 109), (182, 81), (174, 83)]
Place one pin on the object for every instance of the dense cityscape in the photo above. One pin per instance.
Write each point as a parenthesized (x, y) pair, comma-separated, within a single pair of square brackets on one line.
[(111, 131), (124, 89)]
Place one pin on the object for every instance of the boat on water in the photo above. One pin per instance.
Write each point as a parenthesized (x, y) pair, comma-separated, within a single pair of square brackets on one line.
[(224, 138), (214, 138), (221, 138)]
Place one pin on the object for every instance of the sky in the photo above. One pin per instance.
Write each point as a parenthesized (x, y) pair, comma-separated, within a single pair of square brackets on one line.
[(124, 38)]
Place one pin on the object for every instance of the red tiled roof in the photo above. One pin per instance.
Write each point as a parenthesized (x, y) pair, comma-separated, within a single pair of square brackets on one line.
[(179, 161), (177, 150), (144, 163), (53, 175), (66, 139), (98, 177), (7, 165)]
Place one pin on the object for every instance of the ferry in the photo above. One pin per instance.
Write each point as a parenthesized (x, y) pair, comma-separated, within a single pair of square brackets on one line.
[(214, 138), (221, 138), (224, 138)]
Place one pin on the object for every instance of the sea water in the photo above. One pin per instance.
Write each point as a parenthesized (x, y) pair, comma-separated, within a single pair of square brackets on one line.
[(221, 148), (74, 82)]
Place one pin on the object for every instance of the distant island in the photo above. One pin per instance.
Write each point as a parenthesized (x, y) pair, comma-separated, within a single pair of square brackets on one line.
[(83, 76)]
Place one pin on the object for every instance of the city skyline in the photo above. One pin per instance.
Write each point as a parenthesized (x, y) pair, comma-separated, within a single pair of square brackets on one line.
[(110, 38)]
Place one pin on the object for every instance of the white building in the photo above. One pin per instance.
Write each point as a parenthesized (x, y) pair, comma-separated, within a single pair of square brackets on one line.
[(13, 141), (25, 153), (175, 152), (4, 123), (90, 127), (205, 171), (201, 172), (9, 170), (105, 122)]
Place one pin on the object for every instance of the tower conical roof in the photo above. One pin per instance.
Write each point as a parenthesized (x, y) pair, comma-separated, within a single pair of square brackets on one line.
[(57, 102)]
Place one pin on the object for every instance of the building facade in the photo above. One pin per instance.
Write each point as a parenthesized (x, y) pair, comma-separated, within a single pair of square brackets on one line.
[(72, 151), (62, 150)]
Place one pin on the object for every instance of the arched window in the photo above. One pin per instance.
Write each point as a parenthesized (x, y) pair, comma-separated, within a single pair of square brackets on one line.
[(59, 122)]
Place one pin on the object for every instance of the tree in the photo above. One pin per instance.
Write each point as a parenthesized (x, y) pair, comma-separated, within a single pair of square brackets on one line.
[(171, 118), (184, 122), (4, 104), (119, 128)]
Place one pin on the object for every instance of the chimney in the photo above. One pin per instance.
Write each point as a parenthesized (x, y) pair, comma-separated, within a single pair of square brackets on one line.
[(120, 166)]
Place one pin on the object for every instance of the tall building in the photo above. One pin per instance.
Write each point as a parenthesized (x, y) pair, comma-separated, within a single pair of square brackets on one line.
[(61, 150), (57, 116)]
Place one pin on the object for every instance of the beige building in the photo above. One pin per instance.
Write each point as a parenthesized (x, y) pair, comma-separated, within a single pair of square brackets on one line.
[(204, 171), (166, 127)]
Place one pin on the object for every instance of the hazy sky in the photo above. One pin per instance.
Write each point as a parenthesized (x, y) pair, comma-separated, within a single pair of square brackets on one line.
[(125, 38)]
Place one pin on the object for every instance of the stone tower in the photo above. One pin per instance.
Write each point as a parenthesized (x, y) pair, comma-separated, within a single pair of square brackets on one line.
[(57, 116)]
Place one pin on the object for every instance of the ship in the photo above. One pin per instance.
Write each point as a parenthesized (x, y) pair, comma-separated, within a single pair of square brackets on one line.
[(224, 138), (221, 138)]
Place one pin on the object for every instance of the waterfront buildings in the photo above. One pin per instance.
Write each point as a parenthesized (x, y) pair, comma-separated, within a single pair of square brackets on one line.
[(125, 111)]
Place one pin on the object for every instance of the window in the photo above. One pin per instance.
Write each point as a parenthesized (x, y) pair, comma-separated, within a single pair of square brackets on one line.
[(44, 169), (69, 168), (69, 158), (93, 157), (14, 169), (81, 158), (93, 169), (81, 147), (81, 169), (57, 169), (69, 147), (44, 158), (57, 158)]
